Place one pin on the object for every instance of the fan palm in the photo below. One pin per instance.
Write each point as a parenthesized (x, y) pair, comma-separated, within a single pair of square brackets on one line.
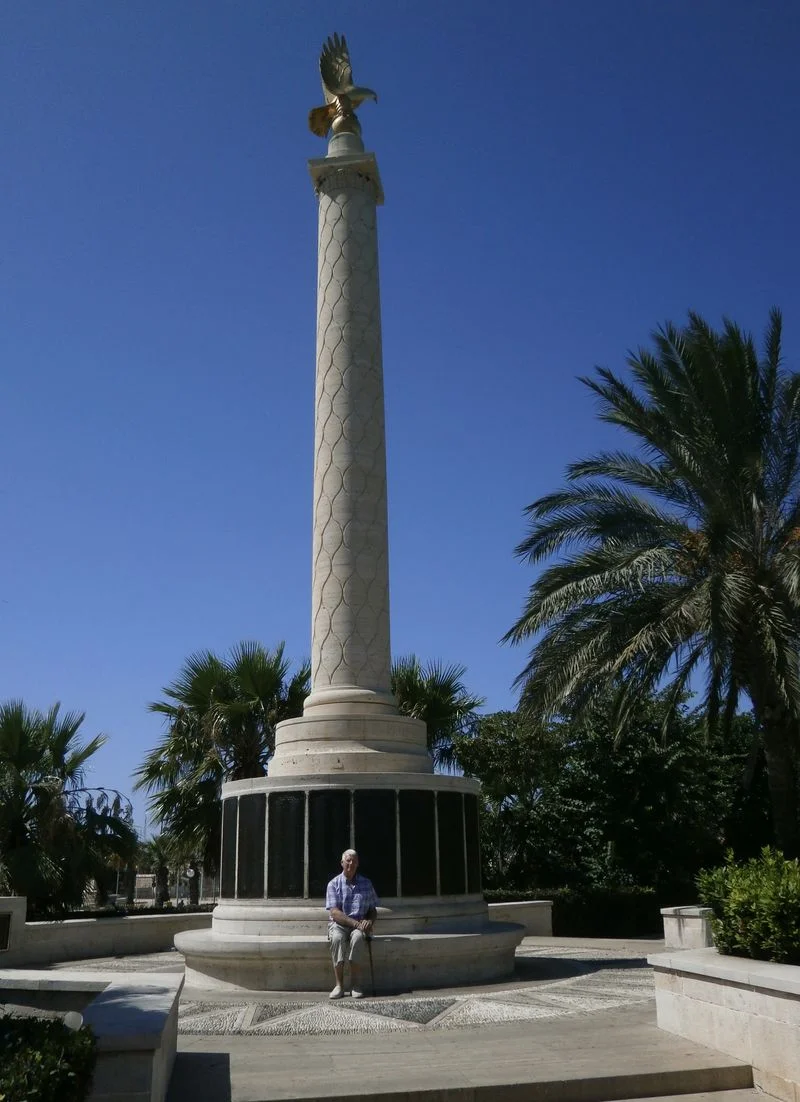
[(682, 556), (221, 714), (436, 694), (158, 855), (55, 834)]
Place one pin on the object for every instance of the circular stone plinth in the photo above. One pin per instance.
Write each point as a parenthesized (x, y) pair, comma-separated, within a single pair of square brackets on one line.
[(303, 963)]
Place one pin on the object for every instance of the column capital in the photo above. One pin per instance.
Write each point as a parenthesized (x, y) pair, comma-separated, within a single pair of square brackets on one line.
[(357, 169)]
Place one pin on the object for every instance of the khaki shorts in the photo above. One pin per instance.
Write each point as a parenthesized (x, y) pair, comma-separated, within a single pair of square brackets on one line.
[(340, 937)]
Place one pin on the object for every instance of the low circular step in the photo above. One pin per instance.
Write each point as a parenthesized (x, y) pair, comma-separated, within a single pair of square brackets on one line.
[(303, 963)]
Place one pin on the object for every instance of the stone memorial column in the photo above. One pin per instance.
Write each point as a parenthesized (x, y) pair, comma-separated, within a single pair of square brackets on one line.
[(350, 713), (350, 657)]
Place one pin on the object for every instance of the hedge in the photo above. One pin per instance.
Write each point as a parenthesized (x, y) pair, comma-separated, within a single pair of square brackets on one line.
[(124, 911), (756, 907), (595, 912), (43, 1061)]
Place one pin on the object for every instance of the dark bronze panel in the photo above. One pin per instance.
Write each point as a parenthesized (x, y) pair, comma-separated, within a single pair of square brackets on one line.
[(5, 929), (473, 844), (452, 874), (376, 838), (417, 843), (329, 836), (252, 823), (227, 887), (286, 845)]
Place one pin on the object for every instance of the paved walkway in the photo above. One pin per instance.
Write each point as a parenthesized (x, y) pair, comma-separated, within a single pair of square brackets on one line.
[(576, 1024), (551, 982), (554, 978), (612, 1054)]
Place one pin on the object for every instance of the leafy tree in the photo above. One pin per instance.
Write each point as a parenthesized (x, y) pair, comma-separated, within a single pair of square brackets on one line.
[(220, 714), (683, 554), (570, 804), (515, 760), (436, 694), (55, 833)]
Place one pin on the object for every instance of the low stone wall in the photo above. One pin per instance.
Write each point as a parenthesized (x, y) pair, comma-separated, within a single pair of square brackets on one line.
[(745, 1008), (134, 1018), (37, 944), (687, 927), (535, 915)]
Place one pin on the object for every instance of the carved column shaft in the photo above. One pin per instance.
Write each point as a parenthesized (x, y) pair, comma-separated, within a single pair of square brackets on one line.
[(350, 651)]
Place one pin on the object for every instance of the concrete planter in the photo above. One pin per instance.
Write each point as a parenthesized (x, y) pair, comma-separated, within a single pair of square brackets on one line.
[(134, 1018), (745, 1008), (687, 927)]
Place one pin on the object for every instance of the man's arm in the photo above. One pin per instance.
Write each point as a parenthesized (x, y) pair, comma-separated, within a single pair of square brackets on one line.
[(341, 919), (364, 924)]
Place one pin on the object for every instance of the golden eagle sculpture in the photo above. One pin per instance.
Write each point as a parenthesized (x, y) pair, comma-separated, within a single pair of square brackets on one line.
[(342, 96)]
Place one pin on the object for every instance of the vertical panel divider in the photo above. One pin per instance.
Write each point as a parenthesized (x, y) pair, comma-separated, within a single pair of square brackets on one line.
[(352, 842), (397, 843), (466, 862), (266, 845), (221, 845), (236, 861), (436, 842), (306, 840)]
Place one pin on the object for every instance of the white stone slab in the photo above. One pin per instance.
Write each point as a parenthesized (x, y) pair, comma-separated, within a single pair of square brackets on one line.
[(746, 1008)]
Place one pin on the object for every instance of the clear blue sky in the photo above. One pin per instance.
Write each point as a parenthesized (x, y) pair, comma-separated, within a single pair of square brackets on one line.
[(560, 178)]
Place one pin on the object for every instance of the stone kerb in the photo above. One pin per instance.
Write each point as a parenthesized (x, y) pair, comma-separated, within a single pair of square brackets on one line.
[(687, 927), (745, 1008), (133, 1017)]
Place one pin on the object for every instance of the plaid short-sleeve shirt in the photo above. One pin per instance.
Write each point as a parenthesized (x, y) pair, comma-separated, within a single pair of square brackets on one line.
[(354, 898)]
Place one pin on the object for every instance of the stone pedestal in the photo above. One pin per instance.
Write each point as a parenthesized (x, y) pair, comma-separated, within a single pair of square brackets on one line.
[(350, 772)]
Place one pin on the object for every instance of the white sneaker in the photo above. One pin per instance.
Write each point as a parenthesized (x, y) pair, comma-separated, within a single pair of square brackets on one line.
[(336, 993), (357, 994)]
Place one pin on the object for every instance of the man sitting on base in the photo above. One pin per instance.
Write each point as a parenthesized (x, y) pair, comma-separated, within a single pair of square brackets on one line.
[(351, 904)]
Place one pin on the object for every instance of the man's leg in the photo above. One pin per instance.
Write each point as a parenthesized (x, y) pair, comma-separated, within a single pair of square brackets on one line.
[(357, 943), (338, 938)]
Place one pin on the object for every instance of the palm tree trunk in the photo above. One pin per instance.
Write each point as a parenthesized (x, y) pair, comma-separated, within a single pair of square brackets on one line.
[(162, 885), (130, 885), (781, 757), (194, 884), (780, 733)]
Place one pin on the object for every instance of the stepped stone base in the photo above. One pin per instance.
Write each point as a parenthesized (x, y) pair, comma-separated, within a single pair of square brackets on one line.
[(302, 962)]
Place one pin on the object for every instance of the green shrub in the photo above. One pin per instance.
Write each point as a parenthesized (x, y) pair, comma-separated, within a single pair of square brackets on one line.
[(756, 907), (594, 912), (43, 1061)]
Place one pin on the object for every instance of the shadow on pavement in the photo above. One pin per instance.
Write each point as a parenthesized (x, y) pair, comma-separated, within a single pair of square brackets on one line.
[(560, 968), (200, 1077)]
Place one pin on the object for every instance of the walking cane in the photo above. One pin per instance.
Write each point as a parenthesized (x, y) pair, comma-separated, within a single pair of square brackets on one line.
[(371, 969)]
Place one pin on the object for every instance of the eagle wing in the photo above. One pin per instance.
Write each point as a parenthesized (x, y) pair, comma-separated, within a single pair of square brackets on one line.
[(335, 68)]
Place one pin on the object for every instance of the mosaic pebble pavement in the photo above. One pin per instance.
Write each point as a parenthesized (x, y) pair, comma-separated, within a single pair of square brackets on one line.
[(594, 980)]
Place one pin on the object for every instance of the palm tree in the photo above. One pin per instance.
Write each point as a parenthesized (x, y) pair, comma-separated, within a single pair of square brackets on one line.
[(221, 714), (157, 855), (682, 556), (55, 833), (436, 694)]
